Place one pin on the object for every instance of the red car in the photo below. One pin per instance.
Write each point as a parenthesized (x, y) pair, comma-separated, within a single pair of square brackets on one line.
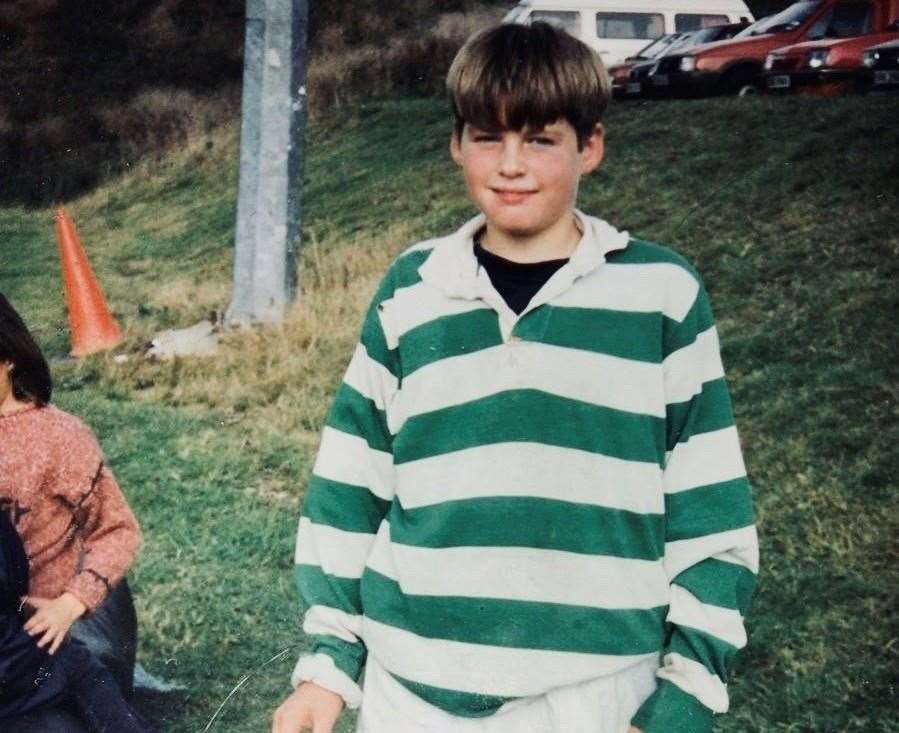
[(881, 64), (728, 67), (835, 64)]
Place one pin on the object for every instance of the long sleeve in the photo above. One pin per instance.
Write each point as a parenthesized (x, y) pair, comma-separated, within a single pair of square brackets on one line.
[(108, 532), (711, 547), (349, 494)]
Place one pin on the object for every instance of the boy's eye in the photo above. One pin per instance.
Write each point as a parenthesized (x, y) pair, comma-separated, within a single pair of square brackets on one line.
[(485, 137), (541, 140)]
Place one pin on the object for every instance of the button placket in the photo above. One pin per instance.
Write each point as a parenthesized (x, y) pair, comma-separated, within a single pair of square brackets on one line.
[(513, 345)]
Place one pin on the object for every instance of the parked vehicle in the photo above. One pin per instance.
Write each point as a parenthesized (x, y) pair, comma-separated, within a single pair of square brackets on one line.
[(617, 29), (641, 82), (832, 65), (735, 65), (636, 75), (620, 73), (881, 63)]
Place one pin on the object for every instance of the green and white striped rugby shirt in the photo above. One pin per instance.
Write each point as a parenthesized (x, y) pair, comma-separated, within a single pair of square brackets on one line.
[(503, 504)]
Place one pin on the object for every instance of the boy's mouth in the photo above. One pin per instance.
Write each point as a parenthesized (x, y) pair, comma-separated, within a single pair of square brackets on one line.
[(512, 196)]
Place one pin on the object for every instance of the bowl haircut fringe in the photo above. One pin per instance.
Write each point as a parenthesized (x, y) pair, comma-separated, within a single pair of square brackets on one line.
[(518, 77)]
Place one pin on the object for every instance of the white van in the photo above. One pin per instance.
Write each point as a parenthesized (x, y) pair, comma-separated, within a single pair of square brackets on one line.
[(620, 28)]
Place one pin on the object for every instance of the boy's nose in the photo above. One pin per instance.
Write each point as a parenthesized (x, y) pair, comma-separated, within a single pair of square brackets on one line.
[(512, 160)]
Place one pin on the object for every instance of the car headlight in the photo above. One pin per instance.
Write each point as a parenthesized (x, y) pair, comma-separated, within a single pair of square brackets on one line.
[(688, 63), (817, 59), (869, 58), (769, 62)]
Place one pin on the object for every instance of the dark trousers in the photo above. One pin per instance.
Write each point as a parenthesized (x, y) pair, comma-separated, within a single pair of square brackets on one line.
[(91, 691), (96, 693), (98, 666), (110, 633)]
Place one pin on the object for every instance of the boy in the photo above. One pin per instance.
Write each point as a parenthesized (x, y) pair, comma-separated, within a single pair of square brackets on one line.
[(529, 492)]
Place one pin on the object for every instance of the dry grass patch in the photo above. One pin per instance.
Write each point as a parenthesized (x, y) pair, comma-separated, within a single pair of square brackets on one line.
[(156, 121), (191, 297), (279, 379)]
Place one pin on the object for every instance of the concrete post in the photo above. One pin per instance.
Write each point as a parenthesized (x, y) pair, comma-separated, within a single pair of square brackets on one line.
[(269, 199)]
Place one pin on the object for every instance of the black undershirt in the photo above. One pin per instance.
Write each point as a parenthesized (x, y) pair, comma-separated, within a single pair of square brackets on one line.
[(517, 282)]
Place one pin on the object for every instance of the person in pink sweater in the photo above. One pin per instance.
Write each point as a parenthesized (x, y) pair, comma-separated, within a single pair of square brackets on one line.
[(78, 532)]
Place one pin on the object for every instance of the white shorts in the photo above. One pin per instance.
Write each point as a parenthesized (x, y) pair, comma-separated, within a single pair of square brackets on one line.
[(602, 705)]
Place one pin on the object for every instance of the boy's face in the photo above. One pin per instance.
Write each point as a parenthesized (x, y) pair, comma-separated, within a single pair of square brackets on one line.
[(525, 181)]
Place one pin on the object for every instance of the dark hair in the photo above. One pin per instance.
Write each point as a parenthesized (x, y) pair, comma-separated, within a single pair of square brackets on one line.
[(514, 76), (31, 381)]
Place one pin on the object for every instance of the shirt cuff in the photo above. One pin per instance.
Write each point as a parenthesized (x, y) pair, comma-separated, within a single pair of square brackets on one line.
[(320, 669), (89, 589), (671, 709)]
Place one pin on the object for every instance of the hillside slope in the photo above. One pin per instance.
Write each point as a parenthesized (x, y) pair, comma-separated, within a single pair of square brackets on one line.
[(84, 95), (787, 207)]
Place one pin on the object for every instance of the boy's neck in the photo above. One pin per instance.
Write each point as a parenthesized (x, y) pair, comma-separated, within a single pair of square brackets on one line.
[(555, 243)]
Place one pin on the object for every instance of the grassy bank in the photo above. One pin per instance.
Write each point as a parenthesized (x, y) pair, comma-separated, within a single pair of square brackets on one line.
[(787, 208)]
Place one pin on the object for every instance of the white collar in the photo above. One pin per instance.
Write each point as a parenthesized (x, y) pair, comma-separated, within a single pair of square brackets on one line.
[(453, 268)]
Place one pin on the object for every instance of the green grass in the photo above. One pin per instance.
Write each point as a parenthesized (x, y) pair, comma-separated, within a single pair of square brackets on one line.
[(787, 207)]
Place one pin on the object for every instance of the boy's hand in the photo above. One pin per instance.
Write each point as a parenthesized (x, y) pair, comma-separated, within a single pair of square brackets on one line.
[(632, 729), (52, 618), (309, 707)]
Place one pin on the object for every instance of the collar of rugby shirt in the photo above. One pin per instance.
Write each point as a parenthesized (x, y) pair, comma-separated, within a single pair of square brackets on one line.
[(453, 268)]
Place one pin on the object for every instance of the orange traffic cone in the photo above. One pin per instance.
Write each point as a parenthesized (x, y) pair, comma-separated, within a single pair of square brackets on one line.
[(92, 325)]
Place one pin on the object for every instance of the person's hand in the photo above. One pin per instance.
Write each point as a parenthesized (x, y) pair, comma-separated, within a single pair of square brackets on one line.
[(309, 707), (52, 618), (633, 729)]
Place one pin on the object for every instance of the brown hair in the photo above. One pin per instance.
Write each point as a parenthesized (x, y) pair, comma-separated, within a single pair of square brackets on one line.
[(512, 77)]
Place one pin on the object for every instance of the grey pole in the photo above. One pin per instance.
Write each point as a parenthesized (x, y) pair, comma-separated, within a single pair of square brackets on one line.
[(269, 198)]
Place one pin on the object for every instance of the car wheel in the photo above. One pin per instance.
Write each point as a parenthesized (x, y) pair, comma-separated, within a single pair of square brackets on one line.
[(735, 80)]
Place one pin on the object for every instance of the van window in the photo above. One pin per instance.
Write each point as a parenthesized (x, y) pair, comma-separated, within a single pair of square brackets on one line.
[(567, 20), (695, 21), (843, 21), (629, 25)]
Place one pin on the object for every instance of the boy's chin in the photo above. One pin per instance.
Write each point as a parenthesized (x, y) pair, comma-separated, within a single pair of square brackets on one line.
[(514, 230)]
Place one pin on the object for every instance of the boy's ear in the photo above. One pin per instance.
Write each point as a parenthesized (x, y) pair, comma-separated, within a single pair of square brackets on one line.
[(593, 150), (455, 147)]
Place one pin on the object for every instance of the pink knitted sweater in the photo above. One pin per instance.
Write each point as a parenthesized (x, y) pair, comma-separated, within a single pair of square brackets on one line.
[(78, 532)]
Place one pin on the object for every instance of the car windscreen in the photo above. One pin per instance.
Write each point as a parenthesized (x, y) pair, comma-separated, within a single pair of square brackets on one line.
[(707, 35), (684, 40), (659, 47), (653, 48), (629, 25), (648, 49), (843, 21), (784, 21)]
